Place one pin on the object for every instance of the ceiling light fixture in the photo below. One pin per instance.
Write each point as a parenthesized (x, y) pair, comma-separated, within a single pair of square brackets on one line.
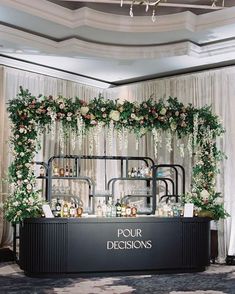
[(155, 3), (147, 4)]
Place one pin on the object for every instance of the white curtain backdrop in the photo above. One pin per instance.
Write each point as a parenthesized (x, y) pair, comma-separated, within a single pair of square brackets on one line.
[(214, 87)]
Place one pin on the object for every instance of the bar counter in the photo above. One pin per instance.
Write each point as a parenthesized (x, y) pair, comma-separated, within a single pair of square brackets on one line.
[(55, 246)]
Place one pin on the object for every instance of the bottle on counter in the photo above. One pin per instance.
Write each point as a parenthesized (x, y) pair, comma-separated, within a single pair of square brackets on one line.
[(79, 211), (99, 210), (58, 208), (109, 209), (65, 209), (128, 210), (113, 213), (133, 210), (123, 209), (118, 208), (72, 209)]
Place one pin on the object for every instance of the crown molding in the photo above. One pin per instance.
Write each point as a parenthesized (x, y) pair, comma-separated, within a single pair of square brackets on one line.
[(73, 46), (119, 23)]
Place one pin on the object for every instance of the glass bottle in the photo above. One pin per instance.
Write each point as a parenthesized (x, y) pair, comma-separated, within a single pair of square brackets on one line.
[(99, 210), (118, 208), (113, 214), (123, 209), (65, 209), (66, 173), (128, 210), (109, 209), (58, 208), (61, 172), (55, 171), (42, 171), (133, 210), (72, 209)]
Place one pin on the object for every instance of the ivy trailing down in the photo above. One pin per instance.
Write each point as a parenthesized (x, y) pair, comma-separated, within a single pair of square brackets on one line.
[(31, 115)]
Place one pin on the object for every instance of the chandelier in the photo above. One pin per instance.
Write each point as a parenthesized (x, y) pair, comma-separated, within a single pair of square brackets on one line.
[(154, 3)]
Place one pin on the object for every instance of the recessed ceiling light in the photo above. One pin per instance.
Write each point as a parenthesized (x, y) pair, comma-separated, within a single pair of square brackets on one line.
[(19, 51)]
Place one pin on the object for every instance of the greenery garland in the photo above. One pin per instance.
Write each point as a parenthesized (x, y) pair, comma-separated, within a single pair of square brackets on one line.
[(30, 115)]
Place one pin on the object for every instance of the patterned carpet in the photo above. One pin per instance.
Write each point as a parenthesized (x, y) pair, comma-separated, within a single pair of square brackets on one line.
[(218, 279)]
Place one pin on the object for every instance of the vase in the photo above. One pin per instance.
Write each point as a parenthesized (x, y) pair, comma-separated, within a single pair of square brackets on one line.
[(205, 213)]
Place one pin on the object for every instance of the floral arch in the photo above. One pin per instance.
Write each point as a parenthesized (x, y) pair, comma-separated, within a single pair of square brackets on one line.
[(31, 115)]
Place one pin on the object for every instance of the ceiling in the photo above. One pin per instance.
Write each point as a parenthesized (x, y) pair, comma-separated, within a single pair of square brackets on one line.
[(100, 44)]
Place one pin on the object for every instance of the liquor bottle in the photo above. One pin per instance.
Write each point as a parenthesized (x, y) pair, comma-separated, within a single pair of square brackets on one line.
[(61, 172), (133, 210), (99, 210), (138, 174), (42, 171), (65, 210), (72, 209), (118, 208), (79, 211), (132, 173), (104, 209), (123, 209), (113, 213), (71, 172), (109, 209), (129, 174), (58, 208), (66, 173), (55, 171), (128, 210)]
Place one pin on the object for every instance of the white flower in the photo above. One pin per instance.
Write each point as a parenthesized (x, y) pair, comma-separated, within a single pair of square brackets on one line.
[(69, 114), (61, 106), (69, 118), (163, 111), (22, 130), (84, 110), (133, 116), (21, 154), (114, 115), (103, 109), (29, 187), (173, 126), (204, 194)]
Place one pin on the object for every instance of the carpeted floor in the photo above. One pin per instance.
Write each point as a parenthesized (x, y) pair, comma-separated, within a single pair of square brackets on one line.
[(218, 279)]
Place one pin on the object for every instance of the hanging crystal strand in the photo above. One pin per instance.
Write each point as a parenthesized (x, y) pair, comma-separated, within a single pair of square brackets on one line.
[(125, 138), (131, 10), (147, 6), (120, 139), (190, 145), (73, 139), (155, 141), (80, 131), (153, 16), (90, 140), (121, 3), (195, 129), (168, 141), (110, 137), (137, 143), (61, 137)]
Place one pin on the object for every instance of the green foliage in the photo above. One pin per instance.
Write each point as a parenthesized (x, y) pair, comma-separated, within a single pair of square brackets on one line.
[(31, 115)]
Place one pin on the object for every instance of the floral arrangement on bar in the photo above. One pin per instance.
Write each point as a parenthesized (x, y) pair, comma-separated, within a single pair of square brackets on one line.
[(30, 116)]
